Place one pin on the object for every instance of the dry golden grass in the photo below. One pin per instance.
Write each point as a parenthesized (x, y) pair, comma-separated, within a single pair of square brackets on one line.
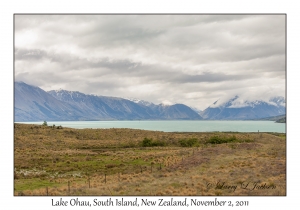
[(113, 162)]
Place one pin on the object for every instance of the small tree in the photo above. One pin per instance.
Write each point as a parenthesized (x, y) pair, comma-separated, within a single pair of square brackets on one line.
[(45, 123), (147, 142)]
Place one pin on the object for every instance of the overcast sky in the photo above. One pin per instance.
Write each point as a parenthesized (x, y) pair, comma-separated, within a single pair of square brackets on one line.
[(190, 59)]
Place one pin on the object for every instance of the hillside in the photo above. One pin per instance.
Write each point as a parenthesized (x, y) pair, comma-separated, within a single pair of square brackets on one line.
[(239, 109), (275, 118), (34, 104), (281, 120)]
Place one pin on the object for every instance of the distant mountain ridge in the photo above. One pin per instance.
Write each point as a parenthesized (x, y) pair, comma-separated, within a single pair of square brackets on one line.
[(238, 109), (34, 104), (278, 119), (274, 118), (123, 109)]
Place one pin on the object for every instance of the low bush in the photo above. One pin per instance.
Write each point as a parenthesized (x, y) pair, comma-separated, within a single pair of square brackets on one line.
[(221, 140), (150, 143), (189, 142)]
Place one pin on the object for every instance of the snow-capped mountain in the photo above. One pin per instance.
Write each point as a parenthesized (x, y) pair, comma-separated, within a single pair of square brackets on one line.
[(199, 111), (179, 111), (101, 107), (34, 104), (279, 101), (170, 111), (238, 109), (141, 102)]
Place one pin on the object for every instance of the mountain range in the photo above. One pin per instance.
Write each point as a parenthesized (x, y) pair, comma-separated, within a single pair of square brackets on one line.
[(238, 109), (31, 103), (34, 104)]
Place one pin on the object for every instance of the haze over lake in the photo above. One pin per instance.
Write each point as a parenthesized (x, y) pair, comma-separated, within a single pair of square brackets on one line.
[(180, 126)]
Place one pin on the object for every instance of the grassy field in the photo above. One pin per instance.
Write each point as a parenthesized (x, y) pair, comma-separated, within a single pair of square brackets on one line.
[(63, 161)]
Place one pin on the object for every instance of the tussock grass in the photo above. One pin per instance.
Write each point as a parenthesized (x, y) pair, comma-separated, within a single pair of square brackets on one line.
[(120, 162)]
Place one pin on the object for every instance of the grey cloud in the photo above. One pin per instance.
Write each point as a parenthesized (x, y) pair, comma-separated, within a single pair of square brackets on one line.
[(32, 54), (70, 62), (209, 77), (184, 57)]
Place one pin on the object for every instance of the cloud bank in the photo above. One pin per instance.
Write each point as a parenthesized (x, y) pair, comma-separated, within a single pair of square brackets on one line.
[(190, 59)]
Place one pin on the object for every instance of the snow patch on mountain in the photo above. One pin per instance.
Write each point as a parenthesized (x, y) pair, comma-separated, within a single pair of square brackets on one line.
[(166, 103), (139, 101), (196, 109), (238, 102)]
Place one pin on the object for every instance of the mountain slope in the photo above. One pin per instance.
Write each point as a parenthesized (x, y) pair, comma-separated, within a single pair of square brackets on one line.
[(101, 107), (238, 109), (281, 120), (274, 118), (176, 111), (34, 104), (123, 109)]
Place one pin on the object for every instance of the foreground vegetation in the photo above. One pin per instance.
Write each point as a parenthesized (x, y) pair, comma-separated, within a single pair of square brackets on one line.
[(50, 160)]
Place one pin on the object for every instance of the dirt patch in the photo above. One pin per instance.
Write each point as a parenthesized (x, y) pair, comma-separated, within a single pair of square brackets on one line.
[(248, 146), (192, 161)]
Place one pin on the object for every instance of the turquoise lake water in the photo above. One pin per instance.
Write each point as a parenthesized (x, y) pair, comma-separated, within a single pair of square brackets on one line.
[(180, 125)]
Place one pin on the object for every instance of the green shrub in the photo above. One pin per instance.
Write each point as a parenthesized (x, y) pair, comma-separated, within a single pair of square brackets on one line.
[(221, 140), (150, 143), (189, 142), (147, 142)]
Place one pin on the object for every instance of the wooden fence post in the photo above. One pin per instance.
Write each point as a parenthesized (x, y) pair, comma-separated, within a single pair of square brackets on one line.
[(69, 186), (105, 178), (47, 191)]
